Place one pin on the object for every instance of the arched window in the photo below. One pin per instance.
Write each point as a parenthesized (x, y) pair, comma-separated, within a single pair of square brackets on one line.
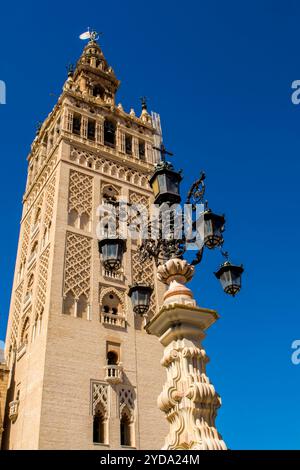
[(98, 91), (109, 133), (37, 216), (112, 358), (24, 332), (73, 218), (142, 153), (99, 427), (84, 221), (82, 307), (69, 301), (128, 144), (111, 304), (76, 124), (125, 430), (34, 248), (30, 281), (91, 129)]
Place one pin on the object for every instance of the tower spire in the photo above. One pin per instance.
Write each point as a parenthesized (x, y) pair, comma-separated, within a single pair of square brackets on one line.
[(93, 75)]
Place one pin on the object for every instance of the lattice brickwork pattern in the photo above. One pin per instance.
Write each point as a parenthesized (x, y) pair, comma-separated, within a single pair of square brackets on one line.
[(50, 193), (17, 311), (126, 401), (42, 281), (136, 198), (80, 192), (77, 265), (100, 398), (109, 168), (25, 242), (146, 275)]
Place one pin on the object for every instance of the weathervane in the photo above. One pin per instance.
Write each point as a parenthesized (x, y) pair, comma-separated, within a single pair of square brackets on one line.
[(90, 34), (144, 102)]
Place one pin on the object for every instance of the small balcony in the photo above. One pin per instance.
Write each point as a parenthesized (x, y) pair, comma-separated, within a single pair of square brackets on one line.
[(13, 410), (117, 276), (111, 319), (114, 373)]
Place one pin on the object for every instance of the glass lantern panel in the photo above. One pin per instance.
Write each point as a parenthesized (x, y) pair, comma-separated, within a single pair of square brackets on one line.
[(172, 185), (162, 183)]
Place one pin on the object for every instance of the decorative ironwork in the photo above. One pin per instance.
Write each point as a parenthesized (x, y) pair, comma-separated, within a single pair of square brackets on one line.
[(163, 151), (70, 69), (197, 191), (143, 100)]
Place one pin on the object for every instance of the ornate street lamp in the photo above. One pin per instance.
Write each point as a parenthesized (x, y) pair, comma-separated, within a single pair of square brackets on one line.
[(112, 250), (165, 180), (140, 295), (165, 184), (230, 277), (213, 228), (180, 324)]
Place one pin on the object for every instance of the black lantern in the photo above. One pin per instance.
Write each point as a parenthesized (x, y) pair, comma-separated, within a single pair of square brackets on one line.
[(140, 295), (230, 277), (213, 228), (165, 184), (112, 250)]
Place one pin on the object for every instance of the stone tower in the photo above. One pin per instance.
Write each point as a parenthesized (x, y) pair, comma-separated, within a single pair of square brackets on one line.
[(84, 374)]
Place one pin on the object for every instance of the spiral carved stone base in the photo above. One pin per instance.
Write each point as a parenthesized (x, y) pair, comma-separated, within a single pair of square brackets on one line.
[(188, 399)]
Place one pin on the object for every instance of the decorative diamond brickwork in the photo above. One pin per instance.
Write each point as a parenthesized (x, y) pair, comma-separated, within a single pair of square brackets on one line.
[(78, 265), (42, 281), (49, 202), (100, 397), (80, 192)]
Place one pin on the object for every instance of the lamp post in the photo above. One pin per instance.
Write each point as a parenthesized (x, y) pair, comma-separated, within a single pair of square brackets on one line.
[(188, 399)]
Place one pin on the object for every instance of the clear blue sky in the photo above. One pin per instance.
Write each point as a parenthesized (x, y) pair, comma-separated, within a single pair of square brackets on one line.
[(220, 74)]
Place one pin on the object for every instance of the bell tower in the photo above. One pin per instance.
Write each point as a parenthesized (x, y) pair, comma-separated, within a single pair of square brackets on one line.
[(84, 373)]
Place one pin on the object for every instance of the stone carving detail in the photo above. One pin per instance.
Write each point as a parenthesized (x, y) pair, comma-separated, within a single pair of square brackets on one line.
[(80, 193), (108, 167), (17, 311), (112, 307), (146, 275), (139, 199), (50, 193), (42, 281), (100, 398), (188, 399), (37, 186), (78, 265), (26, 237), (126, 402)]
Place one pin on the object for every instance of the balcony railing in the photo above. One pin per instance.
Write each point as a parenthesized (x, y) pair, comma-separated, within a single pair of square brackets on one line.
[(13, 410), (114, 373), (118, 276), (111, 319)]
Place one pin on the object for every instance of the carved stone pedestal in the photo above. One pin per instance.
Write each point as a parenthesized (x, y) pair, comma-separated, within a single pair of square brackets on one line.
[(188, 399)]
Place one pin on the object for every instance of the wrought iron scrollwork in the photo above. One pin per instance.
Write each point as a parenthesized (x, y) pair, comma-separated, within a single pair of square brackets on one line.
[(197, 191)]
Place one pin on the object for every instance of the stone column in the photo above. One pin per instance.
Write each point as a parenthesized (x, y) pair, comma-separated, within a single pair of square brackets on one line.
[(188, 399)]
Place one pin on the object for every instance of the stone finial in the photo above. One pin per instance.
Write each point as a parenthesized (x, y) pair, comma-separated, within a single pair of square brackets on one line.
[(176, 273)]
